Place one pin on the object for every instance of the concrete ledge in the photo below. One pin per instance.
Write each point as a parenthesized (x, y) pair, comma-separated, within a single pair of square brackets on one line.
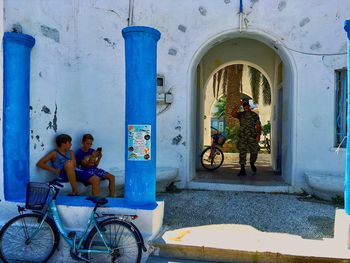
[(243, 243), (283, 188), (342, 228), (165, 176), (325, 185)]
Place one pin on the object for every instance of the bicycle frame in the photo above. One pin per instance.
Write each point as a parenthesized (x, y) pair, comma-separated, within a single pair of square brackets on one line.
[(63, 232), (71, 242)]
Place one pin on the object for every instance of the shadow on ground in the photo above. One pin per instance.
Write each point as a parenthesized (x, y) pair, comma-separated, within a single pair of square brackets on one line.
[(280, 213)]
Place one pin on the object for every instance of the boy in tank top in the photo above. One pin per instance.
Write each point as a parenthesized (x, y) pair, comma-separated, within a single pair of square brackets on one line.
[(63, 164), (88, 159)]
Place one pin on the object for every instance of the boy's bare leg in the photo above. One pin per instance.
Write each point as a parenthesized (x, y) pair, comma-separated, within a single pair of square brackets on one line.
[(95, 185), (111, 185), (72, 178)]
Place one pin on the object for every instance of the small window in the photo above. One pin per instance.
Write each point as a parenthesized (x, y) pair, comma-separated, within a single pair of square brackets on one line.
[(341, 107)]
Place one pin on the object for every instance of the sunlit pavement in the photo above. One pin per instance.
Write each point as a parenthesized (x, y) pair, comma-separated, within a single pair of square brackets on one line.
[(251, 227), (242, 243)]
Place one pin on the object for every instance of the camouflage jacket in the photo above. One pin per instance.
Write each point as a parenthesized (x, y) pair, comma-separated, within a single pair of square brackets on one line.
[(248, 121)]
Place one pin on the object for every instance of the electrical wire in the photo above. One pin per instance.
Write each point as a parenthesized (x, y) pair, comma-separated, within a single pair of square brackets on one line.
[(308, 53)]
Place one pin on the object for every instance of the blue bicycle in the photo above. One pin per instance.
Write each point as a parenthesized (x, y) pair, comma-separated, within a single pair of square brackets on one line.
[(34, 237)]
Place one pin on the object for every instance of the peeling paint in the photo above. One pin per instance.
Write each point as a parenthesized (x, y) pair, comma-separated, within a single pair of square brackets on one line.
[(282, 5), (34, 146), (54, 121), (172, 52), (177, 139), (52, 33), (178, 128), (184, 143), (202, 10), (49, 125), (30, 107), (227, 1), (114, 12), (253, 2), (316, 45), (37, 137), (17, 28), (317, 121), (304, 22), (110, 43), (40, 75), (182, 28), (46, 110)]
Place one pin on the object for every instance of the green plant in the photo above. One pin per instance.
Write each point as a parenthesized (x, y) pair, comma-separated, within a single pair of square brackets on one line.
[(266, 129), (221, 107)]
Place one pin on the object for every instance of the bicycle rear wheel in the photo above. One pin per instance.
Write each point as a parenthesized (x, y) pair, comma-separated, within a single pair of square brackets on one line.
[(21, 239), (120, 238), (212, 159)]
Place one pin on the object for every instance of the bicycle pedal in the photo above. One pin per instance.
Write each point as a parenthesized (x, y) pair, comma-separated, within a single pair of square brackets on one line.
[(72, 234)]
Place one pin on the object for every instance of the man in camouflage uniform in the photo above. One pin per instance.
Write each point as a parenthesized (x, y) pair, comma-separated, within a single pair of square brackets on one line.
[(248, 136)]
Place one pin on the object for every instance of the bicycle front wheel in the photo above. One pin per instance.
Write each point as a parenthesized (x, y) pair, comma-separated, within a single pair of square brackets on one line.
[(120, 238), (212, 158), (22, 239)]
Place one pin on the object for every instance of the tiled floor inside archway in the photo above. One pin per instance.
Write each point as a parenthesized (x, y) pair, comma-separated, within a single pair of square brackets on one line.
[(227, 173)]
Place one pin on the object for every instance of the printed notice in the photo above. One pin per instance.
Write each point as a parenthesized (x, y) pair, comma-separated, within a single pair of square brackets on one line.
[(139, 142)]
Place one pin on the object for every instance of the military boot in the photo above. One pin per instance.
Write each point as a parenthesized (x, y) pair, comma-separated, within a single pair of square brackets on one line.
[(253, 167), (242, 172)]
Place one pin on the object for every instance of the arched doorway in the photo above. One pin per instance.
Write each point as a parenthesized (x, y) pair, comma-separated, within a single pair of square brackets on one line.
[(263, 52)]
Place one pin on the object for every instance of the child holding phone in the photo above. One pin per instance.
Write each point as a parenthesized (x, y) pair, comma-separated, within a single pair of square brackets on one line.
[(88, 159)]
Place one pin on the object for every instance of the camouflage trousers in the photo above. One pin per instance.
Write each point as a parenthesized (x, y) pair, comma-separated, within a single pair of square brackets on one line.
[(246, 145)]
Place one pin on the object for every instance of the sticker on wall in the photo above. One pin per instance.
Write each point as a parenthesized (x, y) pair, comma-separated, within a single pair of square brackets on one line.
[(139, 142)]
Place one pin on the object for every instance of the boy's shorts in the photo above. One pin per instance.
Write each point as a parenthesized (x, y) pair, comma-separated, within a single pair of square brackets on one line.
[(96, 171), (82, 176)]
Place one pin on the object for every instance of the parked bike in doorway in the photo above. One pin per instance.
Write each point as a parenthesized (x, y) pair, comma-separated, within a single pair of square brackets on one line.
[(212, 156)]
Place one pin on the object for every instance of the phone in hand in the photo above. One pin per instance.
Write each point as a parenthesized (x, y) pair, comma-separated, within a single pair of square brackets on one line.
[(99, 149)]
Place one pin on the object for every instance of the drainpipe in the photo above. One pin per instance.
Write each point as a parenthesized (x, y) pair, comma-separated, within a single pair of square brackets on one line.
[(131, 13), (240, 15), (347, 166), (17, 47)]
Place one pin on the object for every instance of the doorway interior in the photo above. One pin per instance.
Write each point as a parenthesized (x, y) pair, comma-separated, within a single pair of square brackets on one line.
[(250, 54)]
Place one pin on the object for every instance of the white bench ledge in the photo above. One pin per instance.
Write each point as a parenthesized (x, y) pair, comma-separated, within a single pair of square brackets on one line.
[(325, 185), (165, 176)]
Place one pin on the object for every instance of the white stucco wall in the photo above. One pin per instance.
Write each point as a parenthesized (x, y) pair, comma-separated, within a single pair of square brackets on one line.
[(83, 72)]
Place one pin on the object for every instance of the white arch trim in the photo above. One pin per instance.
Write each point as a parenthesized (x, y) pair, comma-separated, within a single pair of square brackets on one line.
[(257, 34)]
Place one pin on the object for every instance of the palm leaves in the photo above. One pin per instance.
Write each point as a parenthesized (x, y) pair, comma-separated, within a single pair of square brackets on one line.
[(259, 81), (228, 81), (255, 82)]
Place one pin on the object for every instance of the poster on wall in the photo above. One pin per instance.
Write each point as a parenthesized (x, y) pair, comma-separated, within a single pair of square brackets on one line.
[(139, 142)]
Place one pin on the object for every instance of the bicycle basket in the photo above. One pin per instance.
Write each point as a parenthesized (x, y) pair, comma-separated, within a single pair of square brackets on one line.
[(37, 195)]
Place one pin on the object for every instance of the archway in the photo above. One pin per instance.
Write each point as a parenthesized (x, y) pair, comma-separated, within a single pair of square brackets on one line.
[(250, 47)]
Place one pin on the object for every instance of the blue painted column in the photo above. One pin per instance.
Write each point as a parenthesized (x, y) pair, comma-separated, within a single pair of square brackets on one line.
[(347, 169), (17, 49), (140, 115)]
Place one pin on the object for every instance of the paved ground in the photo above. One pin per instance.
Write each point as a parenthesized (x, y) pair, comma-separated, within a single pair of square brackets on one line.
[(280, 223), (281, 213)]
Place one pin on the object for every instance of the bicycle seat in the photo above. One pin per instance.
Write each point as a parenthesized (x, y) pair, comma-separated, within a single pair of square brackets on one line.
[(97, 200)]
